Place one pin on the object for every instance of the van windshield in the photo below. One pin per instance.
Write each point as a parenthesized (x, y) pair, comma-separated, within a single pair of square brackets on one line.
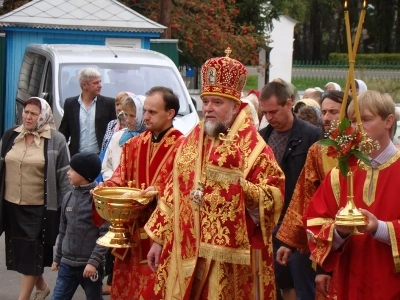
[(116, 78)]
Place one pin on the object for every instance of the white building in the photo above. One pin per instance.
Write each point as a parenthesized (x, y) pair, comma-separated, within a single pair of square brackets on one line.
[(281, 55)]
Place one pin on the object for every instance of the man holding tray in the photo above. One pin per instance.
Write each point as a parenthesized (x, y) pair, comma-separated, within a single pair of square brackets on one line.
[(146, 161)]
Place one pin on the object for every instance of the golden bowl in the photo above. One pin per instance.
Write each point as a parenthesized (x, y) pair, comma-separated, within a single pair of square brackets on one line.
[(121, 207)]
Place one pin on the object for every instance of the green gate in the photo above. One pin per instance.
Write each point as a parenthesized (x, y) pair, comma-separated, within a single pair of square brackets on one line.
[(167, 47)]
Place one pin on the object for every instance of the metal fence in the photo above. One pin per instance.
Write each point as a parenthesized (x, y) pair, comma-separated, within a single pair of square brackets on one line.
[(344, 65), (191, 78), (338, 70), (311, 70)]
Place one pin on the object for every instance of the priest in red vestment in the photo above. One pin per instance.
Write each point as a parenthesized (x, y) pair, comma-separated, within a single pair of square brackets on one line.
[(212, 229), (292, 232), (146, 161), (365, 266)]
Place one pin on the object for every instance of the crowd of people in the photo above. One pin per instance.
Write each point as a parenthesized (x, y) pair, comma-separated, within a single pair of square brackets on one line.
[(246, 202)]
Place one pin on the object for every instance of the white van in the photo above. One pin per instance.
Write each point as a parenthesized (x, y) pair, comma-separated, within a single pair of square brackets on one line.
[(51, 71)]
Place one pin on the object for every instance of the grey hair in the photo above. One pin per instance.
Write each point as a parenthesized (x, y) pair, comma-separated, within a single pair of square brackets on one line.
[(87, 73)]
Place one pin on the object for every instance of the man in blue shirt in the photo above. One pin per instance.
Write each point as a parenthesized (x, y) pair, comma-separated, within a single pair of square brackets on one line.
[(86, 116)]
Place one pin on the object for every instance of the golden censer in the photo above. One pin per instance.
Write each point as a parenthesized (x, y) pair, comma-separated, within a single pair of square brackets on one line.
[(121, 206)]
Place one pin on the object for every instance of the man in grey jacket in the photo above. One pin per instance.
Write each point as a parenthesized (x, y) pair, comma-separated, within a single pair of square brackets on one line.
[(78, 259)]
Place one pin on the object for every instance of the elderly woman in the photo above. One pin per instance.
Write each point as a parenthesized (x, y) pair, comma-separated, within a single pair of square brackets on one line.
[(112, 126), (132, 109), (34, 165)]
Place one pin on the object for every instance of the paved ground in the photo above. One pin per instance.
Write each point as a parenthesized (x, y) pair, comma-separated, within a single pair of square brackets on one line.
[(9, 280)]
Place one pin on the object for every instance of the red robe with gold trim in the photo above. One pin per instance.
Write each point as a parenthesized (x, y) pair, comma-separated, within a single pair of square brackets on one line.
[(363, 267), (215, 250), (317, 165), (292, 231), (148, 163)]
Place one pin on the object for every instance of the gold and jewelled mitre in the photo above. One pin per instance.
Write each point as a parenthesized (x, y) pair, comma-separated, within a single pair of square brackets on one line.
[(223, 76)]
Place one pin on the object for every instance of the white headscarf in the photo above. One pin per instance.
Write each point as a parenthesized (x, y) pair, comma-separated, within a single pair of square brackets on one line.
[(337, 87), (139, 103), (362, 87)]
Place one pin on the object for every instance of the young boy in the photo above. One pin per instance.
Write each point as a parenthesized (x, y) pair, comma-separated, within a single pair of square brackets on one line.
[(78, 259)]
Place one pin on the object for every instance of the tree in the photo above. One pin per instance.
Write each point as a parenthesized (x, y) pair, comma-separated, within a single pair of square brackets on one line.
[(322, 30), (9, 5), (205, 28), (165, 17), (256, 13)]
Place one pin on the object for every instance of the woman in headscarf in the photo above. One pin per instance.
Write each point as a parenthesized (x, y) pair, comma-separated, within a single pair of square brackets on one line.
[(34, 165), (361, 86), (309, 110), (112, 126), (133, 111), (304, 102), (332, 86)]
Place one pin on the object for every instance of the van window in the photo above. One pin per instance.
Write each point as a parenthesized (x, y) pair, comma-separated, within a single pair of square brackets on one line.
[(29, 80), (116, 78), (31, 73)]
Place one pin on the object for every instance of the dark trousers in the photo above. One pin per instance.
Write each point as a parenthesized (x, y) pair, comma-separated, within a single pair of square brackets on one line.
[(68, 280), (297, 274), (109, 266)]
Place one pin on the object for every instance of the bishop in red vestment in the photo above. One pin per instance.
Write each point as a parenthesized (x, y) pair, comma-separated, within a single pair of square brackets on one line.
[(213, 226)]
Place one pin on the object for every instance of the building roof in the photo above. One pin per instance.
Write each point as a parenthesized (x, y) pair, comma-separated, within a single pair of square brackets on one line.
[(89, 15)]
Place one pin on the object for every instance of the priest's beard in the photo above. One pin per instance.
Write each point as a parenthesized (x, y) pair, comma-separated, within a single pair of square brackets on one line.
[(213, 129)]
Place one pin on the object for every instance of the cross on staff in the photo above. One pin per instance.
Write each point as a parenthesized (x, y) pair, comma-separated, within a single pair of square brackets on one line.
[(350, 215), (352, 49), (228, 51)]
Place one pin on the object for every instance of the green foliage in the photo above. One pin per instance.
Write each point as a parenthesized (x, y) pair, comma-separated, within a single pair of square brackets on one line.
[(344, 124), (345, 143), (9, 5), (361, 156), (321, 27), (385, 85), (254, 13), (343, 166), (251, 83), (296, 9), (205, 28), (304, 83), (327, 142), (382, 85)]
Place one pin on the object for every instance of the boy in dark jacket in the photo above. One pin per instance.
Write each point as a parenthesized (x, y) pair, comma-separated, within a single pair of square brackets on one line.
[(78, 259)]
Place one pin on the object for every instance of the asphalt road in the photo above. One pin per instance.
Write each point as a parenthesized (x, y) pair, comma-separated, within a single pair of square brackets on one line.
[(10, 280)]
